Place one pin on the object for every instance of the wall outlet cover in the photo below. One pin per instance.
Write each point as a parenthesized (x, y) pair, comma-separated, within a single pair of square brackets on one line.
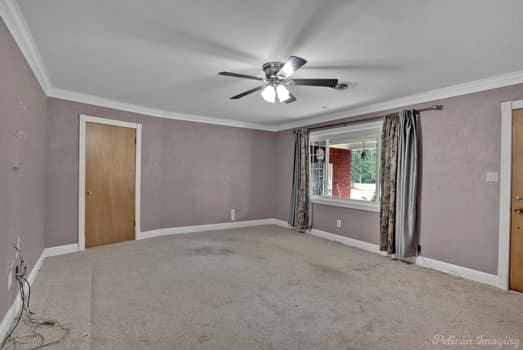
[(338, 223), (492, 177), (233, 214)]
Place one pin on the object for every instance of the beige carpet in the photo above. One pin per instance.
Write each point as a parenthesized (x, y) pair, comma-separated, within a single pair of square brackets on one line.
[(264, 288)]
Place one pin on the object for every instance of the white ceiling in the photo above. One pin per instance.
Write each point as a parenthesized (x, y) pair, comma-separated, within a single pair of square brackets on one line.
[(166, 54)]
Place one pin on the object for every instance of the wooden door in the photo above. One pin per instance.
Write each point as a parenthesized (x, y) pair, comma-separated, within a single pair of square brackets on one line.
[(516, 233), (110, 162)]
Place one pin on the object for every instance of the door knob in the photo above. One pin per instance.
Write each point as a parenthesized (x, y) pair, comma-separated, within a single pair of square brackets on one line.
[(519, 198), (89, 193), (518, 211)]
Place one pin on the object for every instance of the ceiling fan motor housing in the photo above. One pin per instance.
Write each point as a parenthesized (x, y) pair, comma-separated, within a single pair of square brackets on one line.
[(271, 69)]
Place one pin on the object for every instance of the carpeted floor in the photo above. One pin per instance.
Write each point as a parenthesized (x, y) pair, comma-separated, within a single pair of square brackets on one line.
[(264, 288)]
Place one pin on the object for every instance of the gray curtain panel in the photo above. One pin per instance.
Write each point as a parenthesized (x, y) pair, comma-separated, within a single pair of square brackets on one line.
[(389, 158), (300, 206), (407, 186)]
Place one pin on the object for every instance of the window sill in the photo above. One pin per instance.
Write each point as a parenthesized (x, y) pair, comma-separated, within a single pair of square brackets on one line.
[(373, 207)]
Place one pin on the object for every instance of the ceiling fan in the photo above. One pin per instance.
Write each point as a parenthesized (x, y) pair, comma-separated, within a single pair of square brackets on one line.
[(278, 78)]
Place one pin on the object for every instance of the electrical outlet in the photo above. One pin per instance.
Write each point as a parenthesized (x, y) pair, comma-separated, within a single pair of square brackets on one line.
[(338, 223), (233, 214), (492, 177)]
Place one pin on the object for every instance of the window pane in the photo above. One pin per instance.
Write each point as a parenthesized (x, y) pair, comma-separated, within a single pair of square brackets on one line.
[(364, 171), (318, 168), (352, 169), (340, 175)]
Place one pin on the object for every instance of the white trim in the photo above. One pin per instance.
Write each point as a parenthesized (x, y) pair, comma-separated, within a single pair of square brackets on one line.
[(424, 97), (60, 250), (17, 25), (320, 135), (505, 176), (451, 269), (15, 22), (493, 82), (505, 192), (351, 204), (201, 228), (12, 312), (373, 248), (517, 104), (354, 133), (152, 112), (84, 119), (458, 271)]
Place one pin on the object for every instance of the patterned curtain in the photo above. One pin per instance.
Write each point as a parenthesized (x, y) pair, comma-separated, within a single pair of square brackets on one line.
[(300, 207), (389, 163)]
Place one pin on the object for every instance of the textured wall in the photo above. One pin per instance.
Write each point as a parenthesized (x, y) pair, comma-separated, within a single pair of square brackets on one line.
[(459, 209), (192, 173), (22, 193)]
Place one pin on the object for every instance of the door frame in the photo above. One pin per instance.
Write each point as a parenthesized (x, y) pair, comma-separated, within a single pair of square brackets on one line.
[(84, 119), (505, 192)]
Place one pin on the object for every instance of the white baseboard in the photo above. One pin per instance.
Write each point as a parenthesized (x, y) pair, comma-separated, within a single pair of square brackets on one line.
[(9, 318), (373, 248), (451, 269), (201, 228), (456, 270), (60, 250), (11, 314)]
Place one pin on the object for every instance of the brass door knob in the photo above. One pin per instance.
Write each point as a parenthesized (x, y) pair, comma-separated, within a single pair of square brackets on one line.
[(89, 193), (518, 211)]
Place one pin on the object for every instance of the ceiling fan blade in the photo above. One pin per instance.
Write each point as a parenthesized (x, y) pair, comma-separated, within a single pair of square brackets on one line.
[(291, 99), (245, 93), (237, 75), (292, 65), (316, 82)]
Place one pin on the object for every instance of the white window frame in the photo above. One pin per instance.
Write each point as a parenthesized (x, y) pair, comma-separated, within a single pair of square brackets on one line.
[(323, 135)]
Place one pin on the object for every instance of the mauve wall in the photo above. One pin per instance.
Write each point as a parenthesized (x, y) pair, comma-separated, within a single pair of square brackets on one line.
[(459, 209), (192, 173), (22, 193)]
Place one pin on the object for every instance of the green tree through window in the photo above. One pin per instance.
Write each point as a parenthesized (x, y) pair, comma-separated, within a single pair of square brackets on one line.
[(364, 165)]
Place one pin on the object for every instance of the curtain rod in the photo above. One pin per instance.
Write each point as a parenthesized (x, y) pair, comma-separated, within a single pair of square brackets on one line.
[(327, 126)]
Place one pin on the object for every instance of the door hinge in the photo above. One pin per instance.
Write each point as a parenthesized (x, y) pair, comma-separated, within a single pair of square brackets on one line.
[(134, 223), (135, 140)]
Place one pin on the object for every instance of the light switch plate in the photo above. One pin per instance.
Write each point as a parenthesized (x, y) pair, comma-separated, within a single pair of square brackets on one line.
[(492, 177)]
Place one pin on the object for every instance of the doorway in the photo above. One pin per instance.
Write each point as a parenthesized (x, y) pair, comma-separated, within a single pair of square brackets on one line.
[(109, 181), (516, 229), (510, 253)]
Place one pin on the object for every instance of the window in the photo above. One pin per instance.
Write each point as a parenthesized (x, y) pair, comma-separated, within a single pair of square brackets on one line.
[(344, 165)]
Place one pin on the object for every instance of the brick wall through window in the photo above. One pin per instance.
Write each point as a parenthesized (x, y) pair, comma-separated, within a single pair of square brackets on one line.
[(341, 160)]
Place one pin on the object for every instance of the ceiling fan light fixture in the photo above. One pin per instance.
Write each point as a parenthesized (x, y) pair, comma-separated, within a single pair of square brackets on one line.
[(282, 92), (275, 87), (269, 93)]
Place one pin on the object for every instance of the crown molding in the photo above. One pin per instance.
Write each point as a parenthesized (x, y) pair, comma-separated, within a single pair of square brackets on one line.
[(494, 82), (15, 22), (17, 26), (153, 112)]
